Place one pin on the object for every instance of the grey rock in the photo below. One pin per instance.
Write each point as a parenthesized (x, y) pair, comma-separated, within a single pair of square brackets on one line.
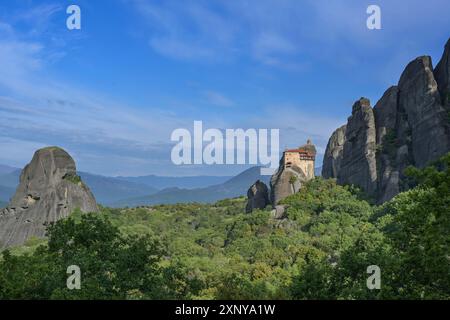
[(49, 190), (279, 212), (285, 182), (386, 112), (333, 154), (258, 196), (427, 118), (442, 76), (358, 165), (411, 127), (296, 167)]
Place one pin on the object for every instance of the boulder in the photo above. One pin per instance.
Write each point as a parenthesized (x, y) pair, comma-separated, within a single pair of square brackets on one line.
[(49, 190), (258, 196), (278, 212)]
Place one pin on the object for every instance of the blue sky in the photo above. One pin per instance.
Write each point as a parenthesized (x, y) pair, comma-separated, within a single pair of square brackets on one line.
[(112, 92)]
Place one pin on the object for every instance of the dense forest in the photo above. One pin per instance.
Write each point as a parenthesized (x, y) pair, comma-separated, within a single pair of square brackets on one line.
[(320, 250)]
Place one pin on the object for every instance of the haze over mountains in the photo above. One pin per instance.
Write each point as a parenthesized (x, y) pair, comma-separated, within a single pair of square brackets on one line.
[(146, 190), (160, 182), (234, 187)]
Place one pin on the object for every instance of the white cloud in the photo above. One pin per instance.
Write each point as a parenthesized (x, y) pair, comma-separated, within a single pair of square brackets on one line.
[(283, 33), (217, 99), (36, 110)]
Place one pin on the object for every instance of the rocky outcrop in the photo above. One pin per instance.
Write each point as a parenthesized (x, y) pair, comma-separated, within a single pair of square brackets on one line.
[(358, 165), (296, 167), (284, 182), (333, 154), (278, 212), (386, 122), (409, 125), (421, 101), (49, 190), (442, 76), (257, 196)]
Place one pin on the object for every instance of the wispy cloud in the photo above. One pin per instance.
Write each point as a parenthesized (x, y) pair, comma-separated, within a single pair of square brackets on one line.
[(280, 33), (111, 137), (217, 99), (187, 31), (36, 110)]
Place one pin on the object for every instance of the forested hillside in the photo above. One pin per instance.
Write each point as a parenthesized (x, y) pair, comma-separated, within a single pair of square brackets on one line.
[(320, 250)]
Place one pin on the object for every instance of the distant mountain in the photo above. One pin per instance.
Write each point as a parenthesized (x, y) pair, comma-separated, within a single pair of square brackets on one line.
[(234, 187), (129, 191), (10, 179), (3, 204), (108, 190), (6, 193), (6, 169), (160, 183), (105, 189)]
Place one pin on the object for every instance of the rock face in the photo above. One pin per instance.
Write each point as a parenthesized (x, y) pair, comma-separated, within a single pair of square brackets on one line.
[(386, 122), (420, 99), (358, 165), (279, 212), (442, 76), (284, 182), (49, 190), (258, 196), (334, 153), (409, 125)]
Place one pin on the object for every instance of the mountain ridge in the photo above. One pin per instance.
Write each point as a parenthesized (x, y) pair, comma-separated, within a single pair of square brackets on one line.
[(163, 182), (234, 187)]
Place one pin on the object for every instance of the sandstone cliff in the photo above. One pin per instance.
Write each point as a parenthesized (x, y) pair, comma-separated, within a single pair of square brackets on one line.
[(409, 125), (49, 190)]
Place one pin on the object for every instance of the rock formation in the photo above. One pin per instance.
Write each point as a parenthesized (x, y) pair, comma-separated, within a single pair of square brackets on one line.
[(284, 182), (49, 190), (420, 99), (334, 152), (409, 125), (258, 196), (296, 167), (278, 212), (358, 164), (386, 122), (442, 76)]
